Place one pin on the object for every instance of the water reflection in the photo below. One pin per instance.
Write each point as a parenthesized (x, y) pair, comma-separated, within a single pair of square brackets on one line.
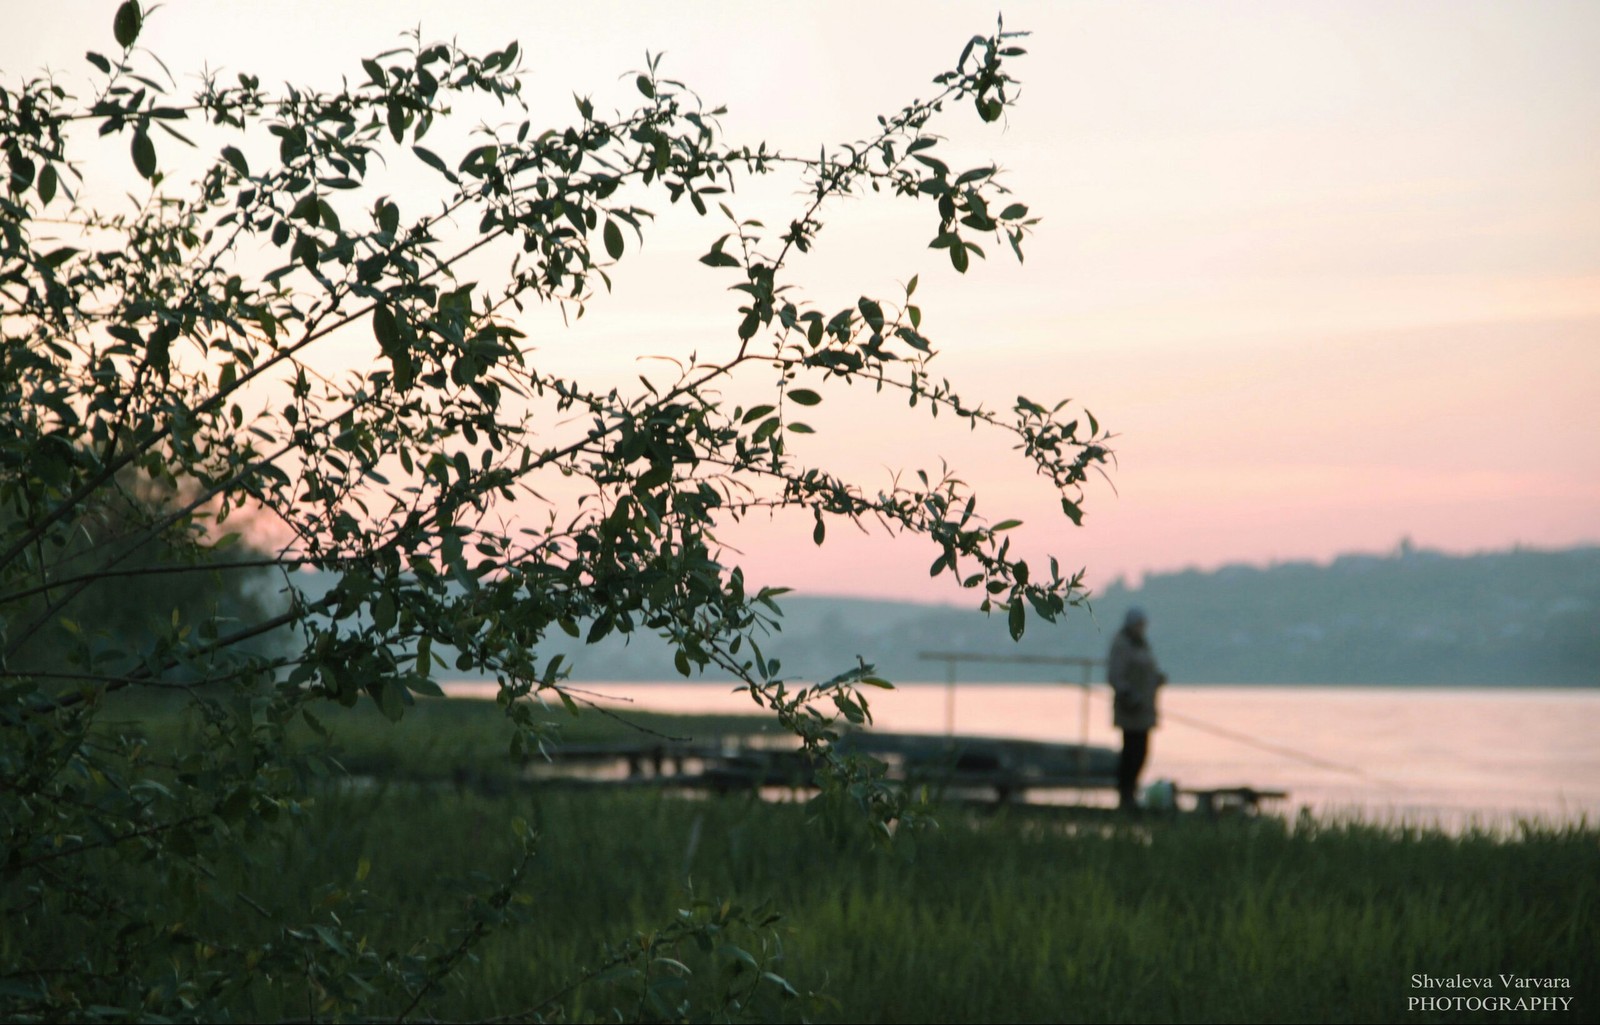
[(1391, 754)]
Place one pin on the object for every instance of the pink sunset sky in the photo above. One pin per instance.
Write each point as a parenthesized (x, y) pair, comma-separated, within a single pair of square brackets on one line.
[(1329, 271)]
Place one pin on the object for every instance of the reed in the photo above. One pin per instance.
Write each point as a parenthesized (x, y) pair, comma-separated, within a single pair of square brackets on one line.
[(980, 917)]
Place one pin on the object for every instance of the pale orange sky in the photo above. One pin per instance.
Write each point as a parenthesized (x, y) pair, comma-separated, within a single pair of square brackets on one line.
[(1330, 271)]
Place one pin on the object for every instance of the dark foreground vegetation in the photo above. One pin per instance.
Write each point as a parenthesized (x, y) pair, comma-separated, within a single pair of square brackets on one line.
[(265, 438), (663, 908)]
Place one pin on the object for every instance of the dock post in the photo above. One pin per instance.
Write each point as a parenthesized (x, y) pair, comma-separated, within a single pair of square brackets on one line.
[(1083, 724), (950, 698)]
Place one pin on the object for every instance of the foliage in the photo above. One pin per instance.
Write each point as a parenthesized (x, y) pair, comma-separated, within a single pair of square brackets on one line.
[(1024, 915), (177, 340), (1002, 915), (161, 576)]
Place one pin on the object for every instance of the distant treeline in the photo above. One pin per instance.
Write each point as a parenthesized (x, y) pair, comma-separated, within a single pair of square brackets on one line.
[(1517, 618)]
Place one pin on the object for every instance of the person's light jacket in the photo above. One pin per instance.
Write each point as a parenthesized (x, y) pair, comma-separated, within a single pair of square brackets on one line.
[(1134, 677)]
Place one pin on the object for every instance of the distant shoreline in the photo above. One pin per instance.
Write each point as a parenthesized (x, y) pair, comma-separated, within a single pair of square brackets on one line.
[(1521, 688)]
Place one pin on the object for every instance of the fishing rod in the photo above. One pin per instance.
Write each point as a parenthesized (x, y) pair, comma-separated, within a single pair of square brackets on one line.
[(950, 658), (1287, 752)]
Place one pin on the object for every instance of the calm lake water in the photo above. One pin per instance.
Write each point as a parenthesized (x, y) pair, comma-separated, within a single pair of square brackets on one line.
[(1383, 753)]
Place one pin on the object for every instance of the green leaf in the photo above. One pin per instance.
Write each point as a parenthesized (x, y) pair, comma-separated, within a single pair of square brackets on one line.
[(1018, 616), (645, 87), (144, 154), (47, 184), (126, 26), (158, 353), (236, 159), (479, 159), (717, 258), (398, 118), (21, 167), (613, 240), (782, 984), (767, 429), (327, 216), (305, 250), (99, 62), (804, 396), (392, 700), (307, 209), (616, 973), (423, 685), (385, 330), (431, 158), (654, 477), (913, 339), (872, 313), (384, 612)]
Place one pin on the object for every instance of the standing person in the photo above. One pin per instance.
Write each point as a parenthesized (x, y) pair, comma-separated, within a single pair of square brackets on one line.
[(1134, 677)]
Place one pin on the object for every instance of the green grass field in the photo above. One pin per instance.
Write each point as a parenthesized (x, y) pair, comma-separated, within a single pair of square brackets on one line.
[(986, 918), (981, 917)]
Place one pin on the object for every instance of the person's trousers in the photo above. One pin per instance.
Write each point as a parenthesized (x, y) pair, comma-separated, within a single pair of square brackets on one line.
[(1135, 748)]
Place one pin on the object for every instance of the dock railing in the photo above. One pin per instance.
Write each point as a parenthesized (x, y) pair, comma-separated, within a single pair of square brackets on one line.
[(1084, 683)]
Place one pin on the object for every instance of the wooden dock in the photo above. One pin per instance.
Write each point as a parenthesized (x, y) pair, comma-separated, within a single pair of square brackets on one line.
[(995, 770)]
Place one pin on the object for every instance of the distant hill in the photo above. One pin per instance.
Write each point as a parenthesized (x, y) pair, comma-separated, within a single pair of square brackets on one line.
[(1516, 618), (1513, 618), (1417, 617)]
